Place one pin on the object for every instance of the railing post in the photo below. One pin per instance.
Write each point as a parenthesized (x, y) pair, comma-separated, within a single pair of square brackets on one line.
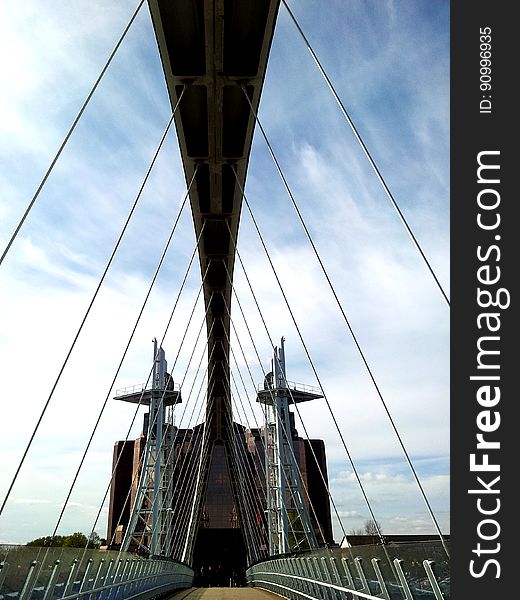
[(318, 577), (272, 566), (114, 579), (433, 580), (280, 571), (97, 577), (86, 574), (129, 581), (159, 568), (106, 578), (303, 570), (312, 576), (49, 590), (362, 576), (335, 576), (348, 574), (282, 577), (143, 573), (287, 572), (27, 589), (381, 581), (407, 592), (327, 578), (145, 567), (67, 588), (300, 583), (136, 586), (4, 567), (324, 570), (122, 579), (150, 572)]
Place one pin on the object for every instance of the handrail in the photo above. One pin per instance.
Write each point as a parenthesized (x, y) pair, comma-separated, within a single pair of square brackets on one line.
[(96, 575), (294, 386), (331, 573), (139, 387)]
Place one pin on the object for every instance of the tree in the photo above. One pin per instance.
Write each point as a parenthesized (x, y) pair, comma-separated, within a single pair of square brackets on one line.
[(370, 527), (95, 541), (48, 540), (75, 540)]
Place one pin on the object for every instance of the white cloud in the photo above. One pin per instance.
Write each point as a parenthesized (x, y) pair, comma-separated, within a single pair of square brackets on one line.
[(30, 501), (395, 500)]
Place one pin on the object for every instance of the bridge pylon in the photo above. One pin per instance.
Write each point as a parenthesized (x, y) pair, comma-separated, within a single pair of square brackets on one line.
[(150, 528), (288, 520)]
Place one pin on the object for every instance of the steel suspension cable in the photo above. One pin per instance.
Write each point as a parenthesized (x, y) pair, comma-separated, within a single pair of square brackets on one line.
[(247, 508), (231, 426), (354, 469), (114, 378), (187, 368), (134, 329), (286, 482), (287, 436), (188, 474), (198, 336), (147, 380), (161, 401), (69, 133), (138, 469), (182, 503), (318, 466), (366, 152), (85, 316), (112, 385), (365, 362), (181, 466), (237, 470), (181, 386), (188, 545), (168, 458), (256, 422), (423, 494), (248, 515), (265, 450), (325, 483)]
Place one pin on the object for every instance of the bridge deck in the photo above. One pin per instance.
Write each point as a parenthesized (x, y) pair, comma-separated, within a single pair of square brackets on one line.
[(214, 47), (222, 593)]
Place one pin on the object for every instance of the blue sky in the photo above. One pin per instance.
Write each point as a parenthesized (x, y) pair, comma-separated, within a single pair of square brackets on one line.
[(390, 63)]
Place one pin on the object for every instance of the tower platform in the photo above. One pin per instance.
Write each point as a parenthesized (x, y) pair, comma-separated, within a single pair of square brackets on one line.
[(137, 393), (295, 392)]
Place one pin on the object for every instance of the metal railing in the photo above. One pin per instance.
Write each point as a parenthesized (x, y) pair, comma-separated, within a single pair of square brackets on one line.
[(420, 572), (131, 389), (294, 386), (31, 573), (139, 387)]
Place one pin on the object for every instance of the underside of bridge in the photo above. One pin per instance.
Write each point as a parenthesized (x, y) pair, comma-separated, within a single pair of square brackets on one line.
[(212, 51), (214, 47)]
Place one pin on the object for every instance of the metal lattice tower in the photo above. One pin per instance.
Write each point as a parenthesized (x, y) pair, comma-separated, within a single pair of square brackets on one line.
[(286, 510), (149, 527)]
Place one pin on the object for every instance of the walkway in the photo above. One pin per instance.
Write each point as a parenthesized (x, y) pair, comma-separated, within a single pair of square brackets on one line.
[(221, 593)]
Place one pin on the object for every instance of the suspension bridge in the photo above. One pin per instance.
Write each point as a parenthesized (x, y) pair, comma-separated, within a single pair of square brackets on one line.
[(200, 500)]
